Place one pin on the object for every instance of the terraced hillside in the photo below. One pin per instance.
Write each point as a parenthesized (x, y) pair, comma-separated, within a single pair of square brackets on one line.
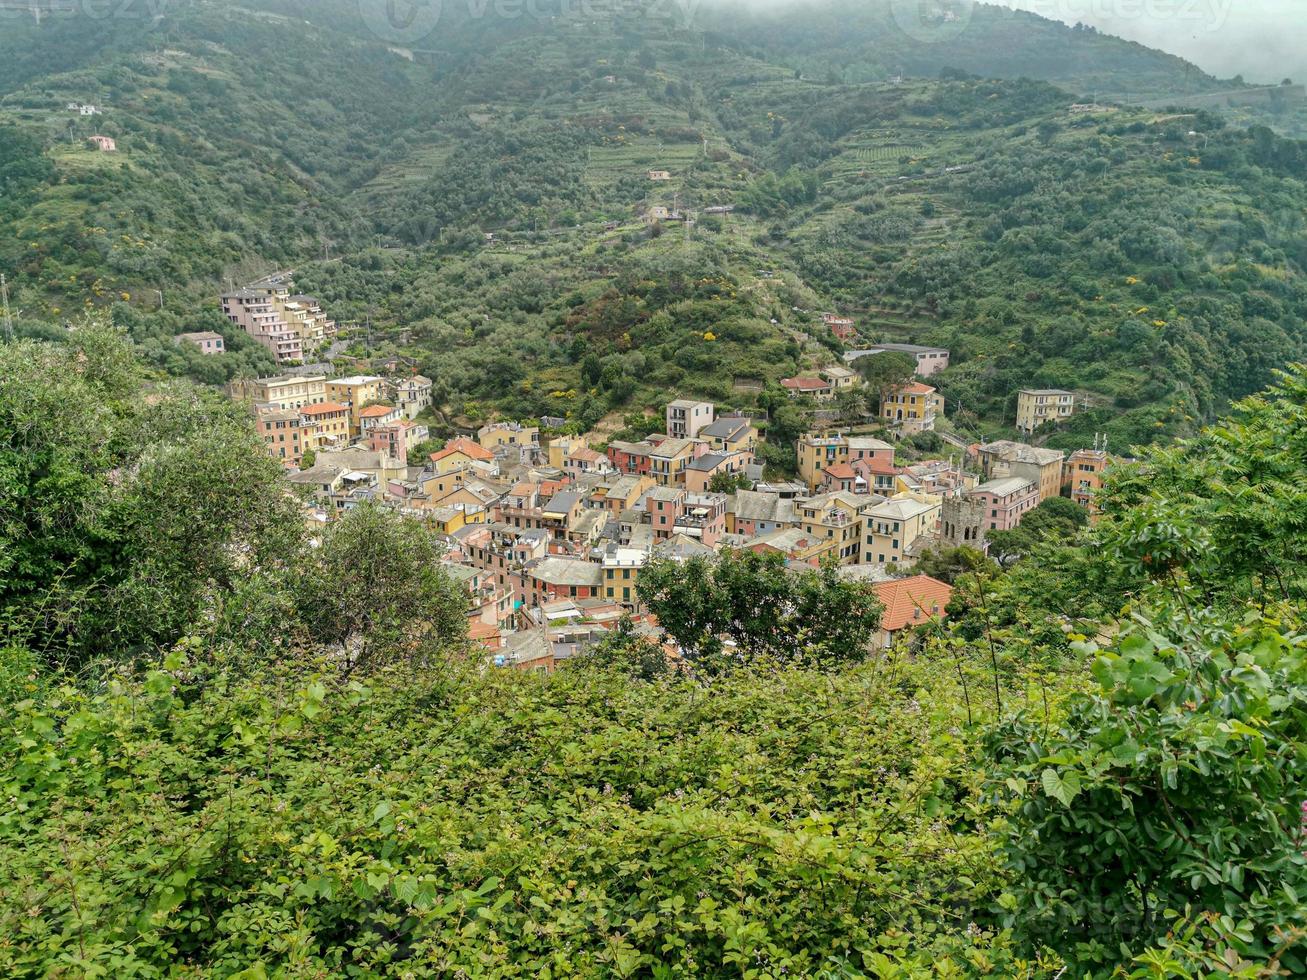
[(483, 198)]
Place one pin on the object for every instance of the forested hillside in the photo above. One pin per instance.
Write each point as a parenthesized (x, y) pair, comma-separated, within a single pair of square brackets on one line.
[(1149, 261)]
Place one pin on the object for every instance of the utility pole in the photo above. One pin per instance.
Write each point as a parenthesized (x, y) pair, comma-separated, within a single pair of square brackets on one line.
[(4, 296)]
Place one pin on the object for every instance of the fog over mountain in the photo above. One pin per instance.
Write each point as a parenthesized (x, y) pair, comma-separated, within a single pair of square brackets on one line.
[(1263, 40)]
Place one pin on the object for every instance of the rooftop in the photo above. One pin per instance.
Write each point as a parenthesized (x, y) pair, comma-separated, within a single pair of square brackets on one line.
[(1004, 487), (804, 384), (908, 601), (568, 572), (465, 446), (726, 428), (324, 408), (853, 355)]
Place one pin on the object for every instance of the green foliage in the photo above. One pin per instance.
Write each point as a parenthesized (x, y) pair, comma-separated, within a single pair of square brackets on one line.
[(445, 821), (123, 515), (729, 483), (1178, 783), (1229, 509), (884, 372), (374, 588), (741, 607), (1055, 519)]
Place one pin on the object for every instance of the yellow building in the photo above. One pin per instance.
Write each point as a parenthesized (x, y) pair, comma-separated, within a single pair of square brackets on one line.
[(911, 408), (621, 493), (561, 448), (816, 452), (356, 392), (668, 460), (508, 434), (1035, 406), (834, 523), (622, 575), (893, 526), (285, 392), (449, 519), (325, 425), (460, 454)]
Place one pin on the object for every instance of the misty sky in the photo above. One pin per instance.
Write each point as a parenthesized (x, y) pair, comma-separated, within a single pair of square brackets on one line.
[(1264, 40)]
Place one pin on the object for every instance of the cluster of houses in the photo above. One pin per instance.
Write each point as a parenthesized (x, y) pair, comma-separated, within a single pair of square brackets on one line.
[(549, 535), (299, 415), (289, 326)]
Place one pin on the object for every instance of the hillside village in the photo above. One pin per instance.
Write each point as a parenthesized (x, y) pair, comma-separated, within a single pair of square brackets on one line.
[(549, 530)]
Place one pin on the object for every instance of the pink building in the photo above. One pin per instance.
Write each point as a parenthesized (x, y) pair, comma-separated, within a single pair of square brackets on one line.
[(1005, 501), (397, 438), (703, 517), (254, 311), (104, 144), (664, 506), (206, 340)]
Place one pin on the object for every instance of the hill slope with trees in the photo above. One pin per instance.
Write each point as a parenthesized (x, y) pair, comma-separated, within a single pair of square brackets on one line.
[(1149, 261)]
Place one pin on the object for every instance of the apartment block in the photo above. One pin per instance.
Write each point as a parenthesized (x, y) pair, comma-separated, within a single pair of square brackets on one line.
[(284, 391), (685, 418), (1035, 406)]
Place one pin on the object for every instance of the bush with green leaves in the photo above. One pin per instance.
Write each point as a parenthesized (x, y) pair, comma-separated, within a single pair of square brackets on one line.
[(446, 821), (1179, 782)]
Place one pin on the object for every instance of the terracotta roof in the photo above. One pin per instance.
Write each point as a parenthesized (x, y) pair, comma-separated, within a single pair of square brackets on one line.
[(806, 384), (910, 601), (375, 411), (841, 471), (480, 632), (323, 408), (916, 388), (465, 446), (877, 464)]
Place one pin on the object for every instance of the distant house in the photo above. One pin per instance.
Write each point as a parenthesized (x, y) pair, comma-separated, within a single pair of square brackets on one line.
[(930, 360), (686, 418), (909, 603), (839, 377), (732, 435), (1082, 477), (659, 175), (911, 408), (104, 144), (412, 395), (206, 340), (818, 388), (89, 110), (1035, 406), (377, 415), (655, 214), (841, 326)]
